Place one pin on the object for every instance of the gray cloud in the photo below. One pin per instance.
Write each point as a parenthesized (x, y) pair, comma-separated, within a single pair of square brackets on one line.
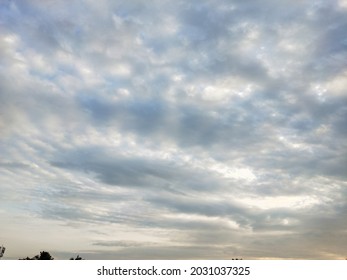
[(208, 129)]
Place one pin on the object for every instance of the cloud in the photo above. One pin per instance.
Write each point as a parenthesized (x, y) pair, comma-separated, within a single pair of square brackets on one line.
[(208, 129), (120, 244)]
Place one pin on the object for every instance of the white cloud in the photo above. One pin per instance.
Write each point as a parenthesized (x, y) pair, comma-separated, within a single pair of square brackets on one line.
[(193, 130)]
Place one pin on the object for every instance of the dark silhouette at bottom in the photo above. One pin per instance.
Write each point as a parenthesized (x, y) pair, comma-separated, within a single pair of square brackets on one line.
[(47, 256)]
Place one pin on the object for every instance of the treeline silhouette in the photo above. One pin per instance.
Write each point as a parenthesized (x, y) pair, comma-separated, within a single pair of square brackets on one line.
[(47, 256)]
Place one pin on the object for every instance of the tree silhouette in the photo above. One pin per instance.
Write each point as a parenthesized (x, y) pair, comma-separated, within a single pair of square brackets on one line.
[(47, 256), (43, 256), (78, 258), (2, 251)]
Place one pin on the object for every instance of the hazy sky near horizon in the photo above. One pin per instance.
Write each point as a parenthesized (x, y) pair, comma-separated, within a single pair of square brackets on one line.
[(173, 129)]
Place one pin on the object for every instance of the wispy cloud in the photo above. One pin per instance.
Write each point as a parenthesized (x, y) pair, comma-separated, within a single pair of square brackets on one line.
[(200, 129)]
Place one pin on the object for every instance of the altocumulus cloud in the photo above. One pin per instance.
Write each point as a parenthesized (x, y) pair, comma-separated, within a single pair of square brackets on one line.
[(174, 129)]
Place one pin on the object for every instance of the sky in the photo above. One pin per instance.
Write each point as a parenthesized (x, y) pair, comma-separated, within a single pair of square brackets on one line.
[(208, 129)]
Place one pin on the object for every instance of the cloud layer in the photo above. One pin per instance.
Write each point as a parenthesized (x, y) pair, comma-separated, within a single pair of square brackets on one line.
[(185, 129)]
